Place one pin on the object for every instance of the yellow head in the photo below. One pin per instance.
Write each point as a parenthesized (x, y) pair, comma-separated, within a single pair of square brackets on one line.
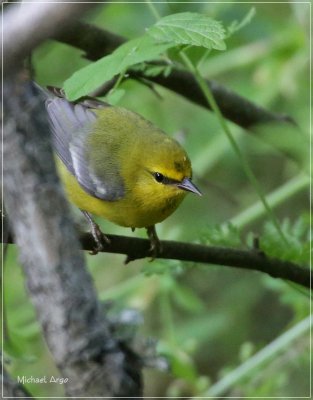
[(157, 175)]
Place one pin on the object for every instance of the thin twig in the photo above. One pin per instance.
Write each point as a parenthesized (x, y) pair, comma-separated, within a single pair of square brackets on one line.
[(136, 248), (254, 259)]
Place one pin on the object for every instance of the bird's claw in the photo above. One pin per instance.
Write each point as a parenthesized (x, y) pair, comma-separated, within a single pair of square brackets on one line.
[(99, 237), (155, 244)]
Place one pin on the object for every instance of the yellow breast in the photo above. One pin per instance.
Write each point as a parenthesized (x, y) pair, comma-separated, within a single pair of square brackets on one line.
[(141, 207)]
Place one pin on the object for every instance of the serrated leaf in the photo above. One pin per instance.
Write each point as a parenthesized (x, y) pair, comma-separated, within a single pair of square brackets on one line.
[(297, 235), (222, 236), (176, 29), (135, 51), (190, 29)]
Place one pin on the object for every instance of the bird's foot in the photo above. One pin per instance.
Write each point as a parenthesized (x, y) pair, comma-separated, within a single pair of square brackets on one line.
[(99, 237), (155, 244)]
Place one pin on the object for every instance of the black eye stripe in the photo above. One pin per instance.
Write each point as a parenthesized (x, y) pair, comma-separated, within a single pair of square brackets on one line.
[(160, 178)]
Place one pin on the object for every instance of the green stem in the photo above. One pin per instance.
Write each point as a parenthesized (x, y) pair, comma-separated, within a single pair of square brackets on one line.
[(211, 101), (267, 353), (275, 198), (118, 81), (153, 10)]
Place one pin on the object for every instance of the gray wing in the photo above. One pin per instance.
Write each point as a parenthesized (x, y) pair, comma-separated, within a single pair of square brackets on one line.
[(70, 124)]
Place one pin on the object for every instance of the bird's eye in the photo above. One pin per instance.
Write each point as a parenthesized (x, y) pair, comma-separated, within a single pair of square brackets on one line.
[(158, 177)]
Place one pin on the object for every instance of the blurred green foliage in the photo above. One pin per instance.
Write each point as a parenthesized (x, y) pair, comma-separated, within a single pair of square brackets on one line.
[(208, 320)]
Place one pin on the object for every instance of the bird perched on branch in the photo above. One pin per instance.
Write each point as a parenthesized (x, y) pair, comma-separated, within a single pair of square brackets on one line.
[(117, 165)]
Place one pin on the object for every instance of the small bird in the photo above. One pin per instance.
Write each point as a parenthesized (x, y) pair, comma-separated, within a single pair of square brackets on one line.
[(117, 165)]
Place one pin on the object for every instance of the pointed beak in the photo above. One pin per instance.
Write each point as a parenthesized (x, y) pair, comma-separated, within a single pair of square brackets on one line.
[(187, 185)]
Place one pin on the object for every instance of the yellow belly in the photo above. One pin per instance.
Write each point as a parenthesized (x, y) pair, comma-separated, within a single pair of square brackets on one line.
[(128, 212)]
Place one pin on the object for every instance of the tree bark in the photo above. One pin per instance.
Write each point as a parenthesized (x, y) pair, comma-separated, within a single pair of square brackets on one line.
[(27, 25), (78, 334)]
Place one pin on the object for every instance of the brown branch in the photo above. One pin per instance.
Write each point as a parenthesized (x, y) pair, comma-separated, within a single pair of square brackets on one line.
[(254, 260), (233, 107), (97, 43)]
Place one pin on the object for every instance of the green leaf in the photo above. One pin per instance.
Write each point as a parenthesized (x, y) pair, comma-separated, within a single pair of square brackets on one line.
[(135, 51), (298, 237), (176, 29), (227, 235), (190, 29)]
